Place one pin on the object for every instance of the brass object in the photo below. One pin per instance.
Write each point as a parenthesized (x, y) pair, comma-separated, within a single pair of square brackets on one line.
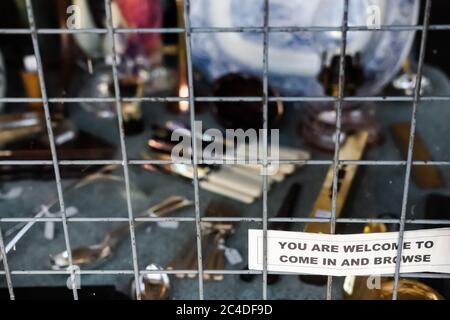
[(11, 135), (423, 176), (408, 289), (352, 150), (356, 288), (17, 126), (213, 239), (182, 87), (32, 87), (329, 75)]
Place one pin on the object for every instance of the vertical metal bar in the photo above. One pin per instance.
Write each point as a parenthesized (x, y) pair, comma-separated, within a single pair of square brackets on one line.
[(423, 42), (265, 138), (187, 34), (338, 132), (6, 266), (34, 38), (123, 148)]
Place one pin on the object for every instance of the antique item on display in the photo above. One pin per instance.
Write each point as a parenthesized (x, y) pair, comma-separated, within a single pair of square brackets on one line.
[(99, 252), (29, 127), (437, 206), (424, 176), (90, 43), (102, 174), (30, 81), (156, 286), (286, 210), (183, 88), (23, 136), (161, 141), (79, 145), (356, 287), (17, 126), (242, 114), (217, 232), (235, 192), (318, 125), (98, 45), (142, 14), (138, 61), (71, 143), (152, 79), (130, 86), (241, 181), (149, 80), (352, 149), (224, 149), (152, 286), (406, 81), (214, 234), (295, 58)]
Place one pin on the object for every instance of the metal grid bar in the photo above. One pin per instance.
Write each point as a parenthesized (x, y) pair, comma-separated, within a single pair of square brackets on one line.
[(6, 266), (110, 24), (237, 219), (188, 30), (338, 131), (34, 38), (205, 161), (195, 272), (226, 99), (265, 181), (423, 41), (289, 29), (190, 78)]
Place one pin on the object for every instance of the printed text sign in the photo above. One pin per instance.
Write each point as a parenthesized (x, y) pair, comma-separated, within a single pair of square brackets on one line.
[(351, 254)]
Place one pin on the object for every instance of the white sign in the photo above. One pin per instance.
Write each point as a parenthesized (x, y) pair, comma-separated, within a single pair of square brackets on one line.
[(350, 254)]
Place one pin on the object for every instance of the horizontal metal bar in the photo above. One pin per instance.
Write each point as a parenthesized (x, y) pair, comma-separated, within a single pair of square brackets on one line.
[(148, 30), (228, 219), (419, 275), (222, 162), (224, 99), (89, 162), (291, 29), (250, 29), (127, 272), (25, 162)]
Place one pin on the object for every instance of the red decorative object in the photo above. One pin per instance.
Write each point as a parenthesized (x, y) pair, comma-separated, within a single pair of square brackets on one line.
[(142, 14)]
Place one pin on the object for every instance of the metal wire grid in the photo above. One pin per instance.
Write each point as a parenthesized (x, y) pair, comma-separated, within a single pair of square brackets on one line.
[(337, 144), (125, 162)]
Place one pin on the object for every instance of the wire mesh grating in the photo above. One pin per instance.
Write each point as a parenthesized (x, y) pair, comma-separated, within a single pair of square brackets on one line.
[(125, 162)]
